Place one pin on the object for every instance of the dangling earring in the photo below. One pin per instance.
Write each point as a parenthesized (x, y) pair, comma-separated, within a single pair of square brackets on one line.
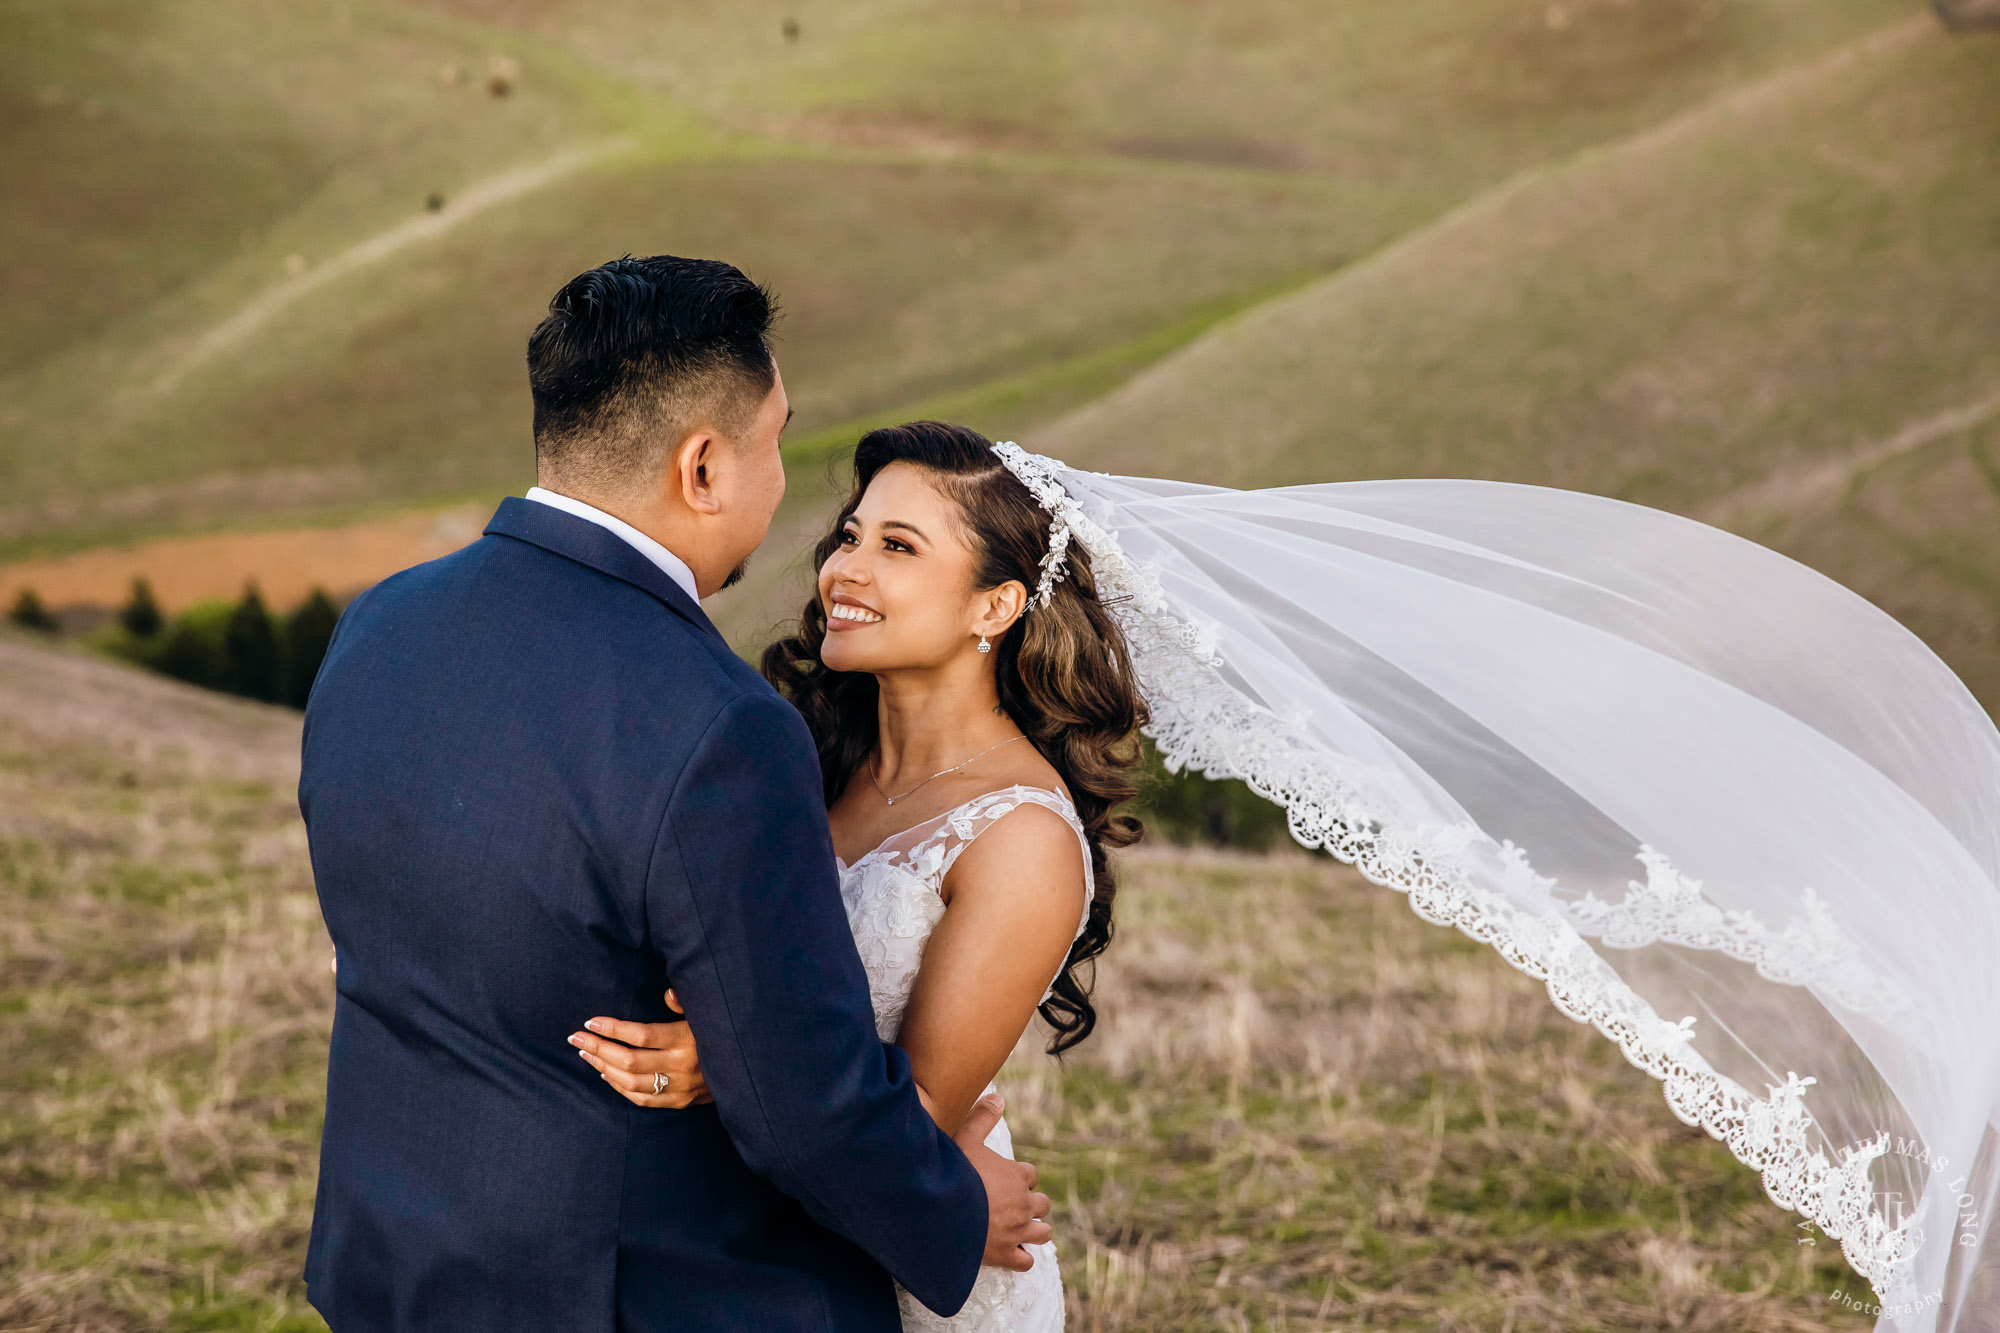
[(984, 646)]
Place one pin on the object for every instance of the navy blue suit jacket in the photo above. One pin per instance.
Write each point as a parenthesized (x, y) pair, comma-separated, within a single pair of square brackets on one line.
[(539, 786)]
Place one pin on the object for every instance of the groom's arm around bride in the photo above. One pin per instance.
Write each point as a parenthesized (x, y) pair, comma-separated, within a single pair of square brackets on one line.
[(538, 786)]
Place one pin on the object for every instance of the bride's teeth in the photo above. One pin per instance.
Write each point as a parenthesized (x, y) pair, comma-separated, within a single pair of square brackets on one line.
[(841, 611)]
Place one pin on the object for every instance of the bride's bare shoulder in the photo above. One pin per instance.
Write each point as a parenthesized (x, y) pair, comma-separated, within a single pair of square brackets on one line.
[(1031, 854)]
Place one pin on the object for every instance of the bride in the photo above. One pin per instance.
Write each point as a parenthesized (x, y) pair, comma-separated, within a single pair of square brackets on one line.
[(976, 716), (1730, 814)]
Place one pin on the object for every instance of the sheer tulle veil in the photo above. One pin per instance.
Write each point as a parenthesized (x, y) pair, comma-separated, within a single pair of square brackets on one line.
[(1732, 815)]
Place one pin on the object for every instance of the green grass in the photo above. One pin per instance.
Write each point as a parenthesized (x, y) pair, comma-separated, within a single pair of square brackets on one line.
[(1429, 96), (171, 156), (903, 282), (1304, 1107)]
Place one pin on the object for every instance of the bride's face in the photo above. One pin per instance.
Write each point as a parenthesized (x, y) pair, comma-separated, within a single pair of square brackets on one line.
[(898, 591)]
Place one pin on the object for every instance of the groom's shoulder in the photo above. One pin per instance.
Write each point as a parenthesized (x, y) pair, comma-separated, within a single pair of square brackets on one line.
[(503, 595), (441, 591), (499, 571), (568, 604)]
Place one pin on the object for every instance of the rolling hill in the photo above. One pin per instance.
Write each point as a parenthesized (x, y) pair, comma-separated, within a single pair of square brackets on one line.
[(1779, 311), (276, 270), (1003, 213)]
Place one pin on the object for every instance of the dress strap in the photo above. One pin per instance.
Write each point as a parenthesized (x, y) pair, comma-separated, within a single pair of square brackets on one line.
[(962, 827)]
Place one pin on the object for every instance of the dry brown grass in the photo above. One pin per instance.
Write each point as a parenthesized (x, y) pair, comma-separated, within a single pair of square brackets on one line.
[(1305, 1108), (1310, 1109), (165, 1004)]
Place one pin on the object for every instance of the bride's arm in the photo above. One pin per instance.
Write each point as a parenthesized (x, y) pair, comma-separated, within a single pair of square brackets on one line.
[(1013, 899)]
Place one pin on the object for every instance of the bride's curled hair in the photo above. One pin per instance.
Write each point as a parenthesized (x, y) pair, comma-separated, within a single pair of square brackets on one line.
[(1064, 674)]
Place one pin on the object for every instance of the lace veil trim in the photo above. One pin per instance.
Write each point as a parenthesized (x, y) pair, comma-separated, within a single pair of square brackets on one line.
[(1201, 722)]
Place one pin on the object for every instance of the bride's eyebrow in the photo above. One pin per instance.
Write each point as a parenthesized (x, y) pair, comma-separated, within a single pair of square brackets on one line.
[(906, 527)]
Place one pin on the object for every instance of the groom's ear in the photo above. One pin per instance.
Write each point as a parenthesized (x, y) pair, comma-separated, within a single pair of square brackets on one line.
[(695, 461)]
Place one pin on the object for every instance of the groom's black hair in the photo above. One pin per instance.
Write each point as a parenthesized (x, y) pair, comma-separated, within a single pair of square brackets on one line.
[(638, 353)]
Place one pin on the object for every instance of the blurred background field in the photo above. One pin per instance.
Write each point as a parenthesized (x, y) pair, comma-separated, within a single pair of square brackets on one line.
[(1305, 1108), (266, 274)]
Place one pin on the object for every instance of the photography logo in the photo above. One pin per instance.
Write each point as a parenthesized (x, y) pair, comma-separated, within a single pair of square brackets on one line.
[(1893, 1206)]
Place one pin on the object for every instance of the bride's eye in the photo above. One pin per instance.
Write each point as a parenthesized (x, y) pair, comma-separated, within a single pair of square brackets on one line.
[(894, 545), (847, 537)]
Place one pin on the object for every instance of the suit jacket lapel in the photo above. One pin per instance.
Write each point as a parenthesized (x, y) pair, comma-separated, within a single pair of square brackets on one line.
[(599, 548)]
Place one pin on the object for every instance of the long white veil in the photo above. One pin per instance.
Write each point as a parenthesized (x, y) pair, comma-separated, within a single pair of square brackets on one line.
[(1735, 817)]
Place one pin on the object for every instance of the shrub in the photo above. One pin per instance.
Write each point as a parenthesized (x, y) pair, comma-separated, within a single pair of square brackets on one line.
[(308, 631), (189, 646), (250, 661), (1189, 808), (141, 616), (29, 613), (186, 654), (235, 647)]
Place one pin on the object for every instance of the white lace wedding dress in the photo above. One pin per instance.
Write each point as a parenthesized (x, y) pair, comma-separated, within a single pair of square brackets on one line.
[(893, 904)]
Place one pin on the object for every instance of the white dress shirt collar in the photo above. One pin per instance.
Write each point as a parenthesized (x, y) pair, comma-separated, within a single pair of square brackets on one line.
[(670, 564)]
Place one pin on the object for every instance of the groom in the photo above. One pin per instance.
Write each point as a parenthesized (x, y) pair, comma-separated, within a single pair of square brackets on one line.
[(539, 785)]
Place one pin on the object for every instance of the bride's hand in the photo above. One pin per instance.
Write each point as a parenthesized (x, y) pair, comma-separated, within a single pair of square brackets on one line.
[(628, 1055)]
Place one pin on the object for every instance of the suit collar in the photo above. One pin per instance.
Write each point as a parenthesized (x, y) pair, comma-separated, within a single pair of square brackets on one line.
[(597, 547)]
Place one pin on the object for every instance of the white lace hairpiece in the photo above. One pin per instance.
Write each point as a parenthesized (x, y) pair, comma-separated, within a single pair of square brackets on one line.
[(1040, 476), (1441, 679)]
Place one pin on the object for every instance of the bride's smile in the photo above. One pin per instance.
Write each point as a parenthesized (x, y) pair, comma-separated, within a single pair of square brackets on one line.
[(899, 588), (851, 615)]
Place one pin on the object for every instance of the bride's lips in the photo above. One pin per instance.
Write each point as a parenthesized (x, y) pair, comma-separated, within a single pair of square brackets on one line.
[(848, 614)]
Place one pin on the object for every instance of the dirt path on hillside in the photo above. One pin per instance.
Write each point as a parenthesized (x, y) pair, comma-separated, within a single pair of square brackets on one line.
[(475, 199), (1817, 483), (1104, 416), (286, 564)]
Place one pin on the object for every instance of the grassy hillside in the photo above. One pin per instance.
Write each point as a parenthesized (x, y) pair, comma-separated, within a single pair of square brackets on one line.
[(1748, 316), (1304, 1108), (1782, 275), (1000, 213)]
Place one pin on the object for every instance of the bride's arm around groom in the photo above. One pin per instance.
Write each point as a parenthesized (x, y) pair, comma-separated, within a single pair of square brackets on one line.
[(812, 1098)]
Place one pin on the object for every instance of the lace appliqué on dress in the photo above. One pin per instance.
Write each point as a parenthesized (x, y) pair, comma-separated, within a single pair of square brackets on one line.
[(894, 901)]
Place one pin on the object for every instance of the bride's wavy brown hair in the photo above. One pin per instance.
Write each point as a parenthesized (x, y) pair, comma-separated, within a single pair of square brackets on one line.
[(1063, 670)]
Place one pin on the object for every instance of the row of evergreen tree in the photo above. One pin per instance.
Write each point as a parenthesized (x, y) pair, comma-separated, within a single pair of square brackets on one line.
[(239, 648), (245, 649)]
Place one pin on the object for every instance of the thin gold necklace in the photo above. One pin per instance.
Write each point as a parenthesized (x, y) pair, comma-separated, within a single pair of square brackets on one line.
[(935, 776)]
